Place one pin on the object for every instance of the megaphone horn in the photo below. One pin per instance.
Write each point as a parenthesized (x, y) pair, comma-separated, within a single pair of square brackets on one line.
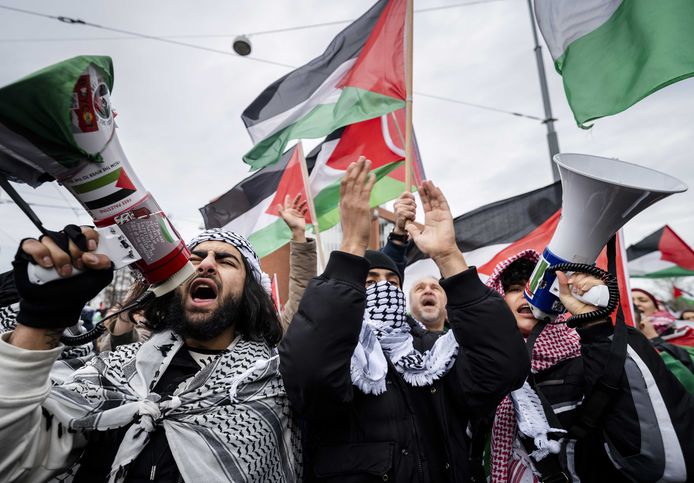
[(600, 195)]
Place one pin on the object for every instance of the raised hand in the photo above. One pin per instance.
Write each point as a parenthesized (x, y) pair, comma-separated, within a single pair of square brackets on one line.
[(355, 211), (437, 239), (405, 210), (293, 212)]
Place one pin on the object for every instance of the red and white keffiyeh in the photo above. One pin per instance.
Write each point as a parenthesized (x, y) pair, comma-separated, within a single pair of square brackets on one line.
[(556, 343)]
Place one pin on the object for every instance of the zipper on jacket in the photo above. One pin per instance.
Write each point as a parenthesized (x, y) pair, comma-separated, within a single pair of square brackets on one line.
[(420, 469)]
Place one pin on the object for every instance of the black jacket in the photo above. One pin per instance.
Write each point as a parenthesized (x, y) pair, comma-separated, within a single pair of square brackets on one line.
[(407, 433), (648, 429)]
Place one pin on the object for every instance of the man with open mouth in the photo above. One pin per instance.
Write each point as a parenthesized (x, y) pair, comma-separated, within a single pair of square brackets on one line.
[(201, 400)]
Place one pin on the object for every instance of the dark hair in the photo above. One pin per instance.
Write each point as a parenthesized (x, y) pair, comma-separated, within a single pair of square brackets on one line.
[(517, 273), (257, 318)]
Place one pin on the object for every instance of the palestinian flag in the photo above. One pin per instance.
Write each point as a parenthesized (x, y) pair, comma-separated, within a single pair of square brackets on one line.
[(492, 233), (613, 53), (250, 207), (37, 136), (661, 254), (682, 294), (380, 140), (359, 76), (105, 190)]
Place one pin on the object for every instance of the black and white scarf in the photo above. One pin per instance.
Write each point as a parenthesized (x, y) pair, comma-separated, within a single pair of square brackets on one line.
[(242, 245), (8, 322), (386, 333), (230, 422)]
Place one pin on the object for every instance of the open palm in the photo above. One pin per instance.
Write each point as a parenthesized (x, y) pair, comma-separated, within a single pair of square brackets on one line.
[(438, 236)]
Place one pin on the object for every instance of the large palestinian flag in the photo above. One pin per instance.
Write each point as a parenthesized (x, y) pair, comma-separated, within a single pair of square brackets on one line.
[(613, 53), (37, 135), (661, 254), (494, 232), (379, 140), (250, 207), (359, 76)]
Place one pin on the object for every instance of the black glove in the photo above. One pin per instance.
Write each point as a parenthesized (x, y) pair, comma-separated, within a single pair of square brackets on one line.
[(58, 303)]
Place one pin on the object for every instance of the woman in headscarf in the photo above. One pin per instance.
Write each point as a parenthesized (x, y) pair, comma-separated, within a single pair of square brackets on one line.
[(541, 431), (655, 322)]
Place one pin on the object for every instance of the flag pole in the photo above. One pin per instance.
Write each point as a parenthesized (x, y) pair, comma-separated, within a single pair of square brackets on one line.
[(552, 141), (408, 95), (311, 207)]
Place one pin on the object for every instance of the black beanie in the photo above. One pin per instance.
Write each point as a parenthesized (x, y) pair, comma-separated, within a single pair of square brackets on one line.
[(381, 260)]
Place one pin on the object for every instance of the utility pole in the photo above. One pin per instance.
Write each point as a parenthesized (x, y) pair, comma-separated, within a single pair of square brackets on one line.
[(552, 141)]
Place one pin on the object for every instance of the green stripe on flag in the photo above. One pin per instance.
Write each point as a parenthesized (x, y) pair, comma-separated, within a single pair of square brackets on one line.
[(673, 271), (644, 46), (97, 183), (270, 238), (327, 202), (164, 230), (354, 105)]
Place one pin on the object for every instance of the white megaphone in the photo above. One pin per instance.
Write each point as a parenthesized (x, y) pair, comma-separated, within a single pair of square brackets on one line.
[(599, 196)]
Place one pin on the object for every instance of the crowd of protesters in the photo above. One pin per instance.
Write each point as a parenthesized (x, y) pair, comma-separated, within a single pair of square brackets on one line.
[(347, 383)]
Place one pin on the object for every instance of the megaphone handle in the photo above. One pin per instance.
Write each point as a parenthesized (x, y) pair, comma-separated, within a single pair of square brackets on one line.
[(598, 296), (608, 279), (112, 243), (39, 275)]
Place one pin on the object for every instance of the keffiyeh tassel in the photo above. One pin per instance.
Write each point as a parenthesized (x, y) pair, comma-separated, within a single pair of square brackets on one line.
[(385, 333)]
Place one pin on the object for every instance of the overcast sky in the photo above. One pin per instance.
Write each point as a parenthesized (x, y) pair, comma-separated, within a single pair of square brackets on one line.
[(179, 108)]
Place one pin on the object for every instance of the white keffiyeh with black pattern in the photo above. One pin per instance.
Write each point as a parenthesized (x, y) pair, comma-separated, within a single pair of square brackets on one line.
[(230, 422), (386, 333)]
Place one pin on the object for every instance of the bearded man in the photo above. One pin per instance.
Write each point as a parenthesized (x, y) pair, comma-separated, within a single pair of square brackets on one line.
[(202, 399)]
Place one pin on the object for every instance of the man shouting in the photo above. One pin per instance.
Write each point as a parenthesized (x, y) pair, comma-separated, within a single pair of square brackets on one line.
[(202, 400)]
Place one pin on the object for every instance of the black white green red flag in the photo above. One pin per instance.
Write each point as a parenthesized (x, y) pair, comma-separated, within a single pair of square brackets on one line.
[(360, 76), (661, 254), (379, 140), (250, 207)]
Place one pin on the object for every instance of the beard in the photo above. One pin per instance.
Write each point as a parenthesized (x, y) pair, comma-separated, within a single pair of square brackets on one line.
[(202, 326)]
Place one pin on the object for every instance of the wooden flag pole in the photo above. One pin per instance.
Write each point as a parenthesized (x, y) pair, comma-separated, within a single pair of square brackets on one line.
[(408, 95), (311, 207)]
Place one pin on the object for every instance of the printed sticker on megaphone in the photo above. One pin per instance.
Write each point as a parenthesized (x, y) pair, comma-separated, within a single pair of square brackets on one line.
[(109, 189)]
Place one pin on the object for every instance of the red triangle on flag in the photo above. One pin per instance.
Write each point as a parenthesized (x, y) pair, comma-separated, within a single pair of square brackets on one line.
[(291, 183), (538, 239), (124, 181), (380, 66), (622, 280), (674, 249)]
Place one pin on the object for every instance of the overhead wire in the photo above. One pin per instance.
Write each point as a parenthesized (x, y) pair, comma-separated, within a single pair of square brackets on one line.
[(170, 40), (75, 21), (260, 32)]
